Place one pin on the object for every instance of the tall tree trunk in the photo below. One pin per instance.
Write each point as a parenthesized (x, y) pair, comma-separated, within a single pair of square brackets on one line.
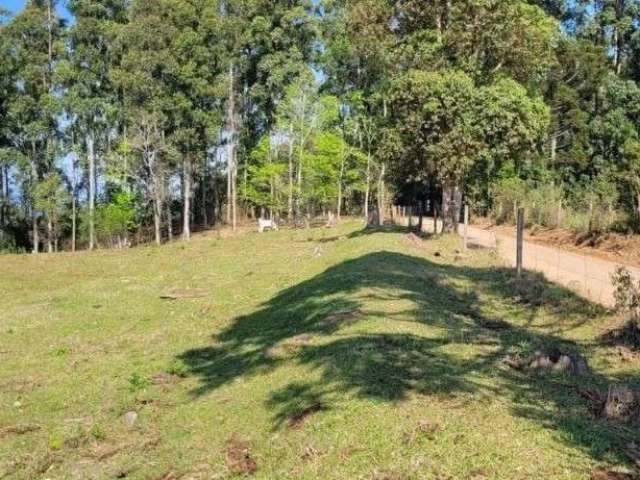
[(203, 198), (299, 186), (232, 169), (169, 221), (300, 155), (234, 193), (73, 220), (451, 206), (186, 198), (290, 202), (34, 213), (381, 194), (157, 187), (49, 233), (157, 218), (618, 37), (367, 188), (339, 209), (229, 175), (3, 202), (91, 158)]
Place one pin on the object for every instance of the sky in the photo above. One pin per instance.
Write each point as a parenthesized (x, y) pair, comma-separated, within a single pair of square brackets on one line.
[(14, 6)]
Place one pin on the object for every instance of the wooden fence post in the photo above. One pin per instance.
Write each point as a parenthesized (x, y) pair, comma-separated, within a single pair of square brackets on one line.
[(519, 241)]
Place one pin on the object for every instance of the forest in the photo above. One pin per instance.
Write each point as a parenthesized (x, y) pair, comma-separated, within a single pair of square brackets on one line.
[(145, 120)]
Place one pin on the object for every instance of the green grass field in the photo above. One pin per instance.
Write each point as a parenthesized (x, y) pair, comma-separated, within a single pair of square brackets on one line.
[(307, 354)]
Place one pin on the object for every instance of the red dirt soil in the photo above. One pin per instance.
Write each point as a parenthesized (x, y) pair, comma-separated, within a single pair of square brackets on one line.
[(624, 249)]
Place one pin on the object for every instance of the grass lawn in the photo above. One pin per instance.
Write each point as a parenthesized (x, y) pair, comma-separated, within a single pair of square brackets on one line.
[(307, 354)]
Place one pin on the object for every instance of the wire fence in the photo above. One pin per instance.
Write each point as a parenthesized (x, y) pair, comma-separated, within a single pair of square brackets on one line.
[(588, 276)]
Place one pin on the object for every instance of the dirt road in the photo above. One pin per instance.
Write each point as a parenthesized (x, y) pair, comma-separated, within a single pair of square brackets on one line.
[(588, 276)]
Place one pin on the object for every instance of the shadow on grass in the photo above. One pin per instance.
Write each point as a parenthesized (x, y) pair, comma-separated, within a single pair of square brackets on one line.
[(326, 309), (370, 230)]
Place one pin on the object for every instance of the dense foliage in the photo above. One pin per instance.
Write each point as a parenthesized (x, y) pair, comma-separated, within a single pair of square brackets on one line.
[(151, 117)]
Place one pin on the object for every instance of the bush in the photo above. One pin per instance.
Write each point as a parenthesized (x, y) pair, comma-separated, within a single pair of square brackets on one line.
[(595, 201), (627, 295), (590, 207), (545, 205), (115, 219), (508, 194)]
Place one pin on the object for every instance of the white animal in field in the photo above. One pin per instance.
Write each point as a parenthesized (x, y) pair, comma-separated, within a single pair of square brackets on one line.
[(264, 224)]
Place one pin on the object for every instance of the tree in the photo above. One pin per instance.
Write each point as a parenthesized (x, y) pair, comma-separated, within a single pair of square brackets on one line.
[(90, 97), (116, 218), (302, 113), (445, 126), (35, 36), (144, 76), (436, 132), (51, 197)]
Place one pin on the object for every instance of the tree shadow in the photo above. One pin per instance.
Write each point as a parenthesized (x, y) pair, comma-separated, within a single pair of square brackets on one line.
[(371, 230), (316, 324)]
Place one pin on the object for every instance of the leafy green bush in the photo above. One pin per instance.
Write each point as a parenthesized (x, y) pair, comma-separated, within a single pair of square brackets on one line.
[(545, 205), (590, 207), (138, 382), (594, 203), (508, 194), (116, 218), (627, 295)]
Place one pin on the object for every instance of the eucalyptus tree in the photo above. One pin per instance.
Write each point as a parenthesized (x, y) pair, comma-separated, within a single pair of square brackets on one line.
[(302, 113), (197, 82), (143, 76), (36, 46), (90, 97), (7, 153), (268, 45), (360, 60), (51, 196)]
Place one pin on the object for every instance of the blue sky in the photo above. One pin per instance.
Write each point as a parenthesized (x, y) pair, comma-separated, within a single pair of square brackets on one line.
[(14, 6)]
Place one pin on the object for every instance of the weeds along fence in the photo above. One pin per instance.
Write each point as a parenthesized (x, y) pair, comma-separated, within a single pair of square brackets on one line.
[(588, 276)]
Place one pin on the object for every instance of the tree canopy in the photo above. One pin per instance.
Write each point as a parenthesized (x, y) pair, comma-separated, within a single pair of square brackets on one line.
[(168, 115)]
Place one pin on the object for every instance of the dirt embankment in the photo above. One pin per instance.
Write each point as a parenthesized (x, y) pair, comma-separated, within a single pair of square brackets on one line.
[(623, 249)]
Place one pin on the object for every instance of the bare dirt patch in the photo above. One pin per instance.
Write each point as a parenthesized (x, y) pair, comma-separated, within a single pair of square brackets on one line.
[(425, 428), (620, 404), (627, 336), (298, 419), (183, 293), (343, 318), (168, 476), (495, 325), (552, 361), (291, 346), (608, 246), (602, 474), (414, 240), (238, 457), (164, 378), (19, 429), (309, 453)]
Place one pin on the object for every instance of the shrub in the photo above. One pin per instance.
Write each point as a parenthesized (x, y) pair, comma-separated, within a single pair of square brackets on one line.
[(508, 194), (138, 382), (115, 219), (545, 205), (627, 295)]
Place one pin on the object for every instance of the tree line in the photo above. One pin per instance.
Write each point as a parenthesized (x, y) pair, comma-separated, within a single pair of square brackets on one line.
[(149, 118)]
